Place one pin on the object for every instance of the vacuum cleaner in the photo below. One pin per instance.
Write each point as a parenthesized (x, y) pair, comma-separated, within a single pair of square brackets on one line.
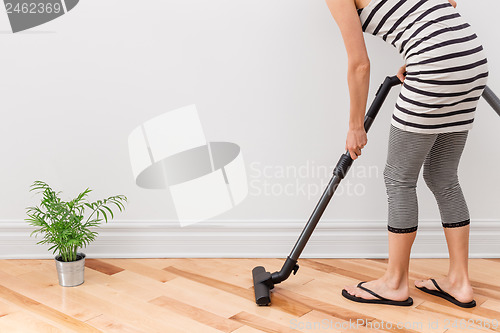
[(264, 281)]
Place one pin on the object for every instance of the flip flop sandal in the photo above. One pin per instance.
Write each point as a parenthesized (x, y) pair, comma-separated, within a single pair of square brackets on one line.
[(443, 294), (380, 300)]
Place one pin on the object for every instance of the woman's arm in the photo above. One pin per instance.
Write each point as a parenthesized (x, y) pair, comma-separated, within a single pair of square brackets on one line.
[(358, 70)]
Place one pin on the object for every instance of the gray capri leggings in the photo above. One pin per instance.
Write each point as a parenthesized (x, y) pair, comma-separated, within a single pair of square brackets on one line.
[(439, 154)]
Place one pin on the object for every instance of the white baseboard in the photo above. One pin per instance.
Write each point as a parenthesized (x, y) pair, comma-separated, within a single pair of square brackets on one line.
[(250, 239)]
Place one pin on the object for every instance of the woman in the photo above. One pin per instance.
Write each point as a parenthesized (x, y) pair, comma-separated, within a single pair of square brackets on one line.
[(443, 78)]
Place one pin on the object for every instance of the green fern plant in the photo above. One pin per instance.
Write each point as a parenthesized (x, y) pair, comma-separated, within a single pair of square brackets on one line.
[(63, 224)]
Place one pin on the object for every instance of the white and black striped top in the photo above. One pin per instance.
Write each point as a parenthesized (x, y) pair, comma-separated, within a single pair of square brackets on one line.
[(446, 65)]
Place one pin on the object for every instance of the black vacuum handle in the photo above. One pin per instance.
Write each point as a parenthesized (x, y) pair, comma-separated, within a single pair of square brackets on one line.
[(492, 99), (380, 96), (346, 160)]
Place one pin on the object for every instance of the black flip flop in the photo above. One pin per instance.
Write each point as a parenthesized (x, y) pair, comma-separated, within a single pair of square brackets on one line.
[(443, 294), (381, 300)]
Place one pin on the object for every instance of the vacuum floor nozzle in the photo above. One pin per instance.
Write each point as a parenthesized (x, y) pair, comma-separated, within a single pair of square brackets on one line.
[(262, 285)]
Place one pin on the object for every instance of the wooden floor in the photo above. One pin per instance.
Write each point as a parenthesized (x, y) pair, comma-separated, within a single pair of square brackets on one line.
[(216, 295)]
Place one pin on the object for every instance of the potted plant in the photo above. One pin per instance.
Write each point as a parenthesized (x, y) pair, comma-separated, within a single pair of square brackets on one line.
[(67, 226)]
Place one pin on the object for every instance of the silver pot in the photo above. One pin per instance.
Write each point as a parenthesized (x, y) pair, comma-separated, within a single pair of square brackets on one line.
[(71, 273)]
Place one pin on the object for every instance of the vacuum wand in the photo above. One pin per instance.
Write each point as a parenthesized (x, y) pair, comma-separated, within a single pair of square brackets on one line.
[(343, 166), (264, 281)]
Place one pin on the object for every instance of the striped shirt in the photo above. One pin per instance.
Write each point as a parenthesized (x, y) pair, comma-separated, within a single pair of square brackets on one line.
[(446, 65)]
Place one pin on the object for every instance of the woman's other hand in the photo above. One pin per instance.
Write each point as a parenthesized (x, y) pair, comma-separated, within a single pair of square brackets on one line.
[(401, 74), (356, 140), (453, 3)]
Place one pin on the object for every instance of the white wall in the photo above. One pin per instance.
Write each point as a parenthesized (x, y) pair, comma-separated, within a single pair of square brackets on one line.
[(269, 75)]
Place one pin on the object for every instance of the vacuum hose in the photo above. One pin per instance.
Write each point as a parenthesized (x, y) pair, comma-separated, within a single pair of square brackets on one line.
[(492, 99)]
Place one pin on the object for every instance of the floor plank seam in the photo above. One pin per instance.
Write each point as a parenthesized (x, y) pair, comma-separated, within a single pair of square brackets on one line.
[(99, 315)]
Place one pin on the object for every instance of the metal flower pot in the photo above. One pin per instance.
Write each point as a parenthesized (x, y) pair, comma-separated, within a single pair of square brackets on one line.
[(71, 273)]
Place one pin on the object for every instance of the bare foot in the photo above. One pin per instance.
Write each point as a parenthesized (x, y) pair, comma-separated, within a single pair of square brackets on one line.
[(381, 288), (462, 292)]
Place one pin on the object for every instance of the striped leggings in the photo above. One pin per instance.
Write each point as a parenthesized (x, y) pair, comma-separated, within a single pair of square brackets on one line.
[(440, 155)]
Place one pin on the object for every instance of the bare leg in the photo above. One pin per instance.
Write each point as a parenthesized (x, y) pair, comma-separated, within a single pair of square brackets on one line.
[(394, 283), (457, 282), (458, 247)]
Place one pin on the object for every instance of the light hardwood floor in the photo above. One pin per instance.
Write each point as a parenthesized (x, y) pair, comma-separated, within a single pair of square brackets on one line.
[(216, 295)]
